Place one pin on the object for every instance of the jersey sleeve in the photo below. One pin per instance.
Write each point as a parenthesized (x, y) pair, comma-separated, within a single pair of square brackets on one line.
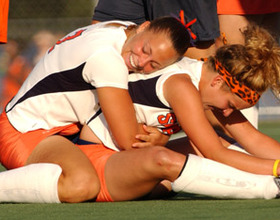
[(106, 68)]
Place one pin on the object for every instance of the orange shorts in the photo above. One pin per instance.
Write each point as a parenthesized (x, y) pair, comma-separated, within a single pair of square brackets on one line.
[(98, 154), (15, 147)]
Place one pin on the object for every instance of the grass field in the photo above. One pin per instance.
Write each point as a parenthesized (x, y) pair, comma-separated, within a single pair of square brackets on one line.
[(183, 206)]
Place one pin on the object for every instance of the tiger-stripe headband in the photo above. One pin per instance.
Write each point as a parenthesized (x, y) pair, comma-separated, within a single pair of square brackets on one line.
[(248, 95)]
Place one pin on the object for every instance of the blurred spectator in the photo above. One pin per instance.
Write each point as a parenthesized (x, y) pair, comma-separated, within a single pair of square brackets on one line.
[(15, 66), (16, 70), (40, 43), (43, 40)]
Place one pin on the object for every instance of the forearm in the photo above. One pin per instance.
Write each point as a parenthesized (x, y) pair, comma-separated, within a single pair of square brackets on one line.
[(252, 140), (246, 162), (119, 113), (263, 146)]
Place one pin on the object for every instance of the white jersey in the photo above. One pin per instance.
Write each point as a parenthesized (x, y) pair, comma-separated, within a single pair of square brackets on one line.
[(147, 94), (61, 89), (146, 91)]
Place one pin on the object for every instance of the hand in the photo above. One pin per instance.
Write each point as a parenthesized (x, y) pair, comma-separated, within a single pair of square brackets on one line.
[(152, 138)]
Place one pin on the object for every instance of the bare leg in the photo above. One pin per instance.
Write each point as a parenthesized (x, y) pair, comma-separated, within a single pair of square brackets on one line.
[(78, 181), (134, 173)]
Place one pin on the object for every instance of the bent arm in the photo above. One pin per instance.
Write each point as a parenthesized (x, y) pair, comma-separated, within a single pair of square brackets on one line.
[(119, 112), (255, 142), (186, 103)]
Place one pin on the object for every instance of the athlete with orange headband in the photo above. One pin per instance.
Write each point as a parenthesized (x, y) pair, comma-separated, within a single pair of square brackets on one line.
[(231, 80), (70, 83), (175, 98), (225, 83)]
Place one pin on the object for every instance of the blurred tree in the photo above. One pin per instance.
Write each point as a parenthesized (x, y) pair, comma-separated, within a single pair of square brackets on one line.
[(50, 8), (28, 17)]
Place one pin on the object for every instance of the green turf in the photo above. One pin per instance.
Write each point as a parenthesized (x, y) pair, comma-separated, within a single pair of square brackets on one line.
[(182, 206), (271, 128)]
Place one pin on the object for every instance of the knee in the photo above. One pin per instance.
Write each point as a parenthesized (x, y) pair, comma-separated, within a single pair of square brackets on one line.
[(78, 187), (162, 158)]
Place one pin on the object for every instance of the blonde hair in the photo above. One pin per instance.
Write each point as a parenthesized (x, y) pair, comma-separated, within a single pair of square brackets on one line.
[(255, 64)]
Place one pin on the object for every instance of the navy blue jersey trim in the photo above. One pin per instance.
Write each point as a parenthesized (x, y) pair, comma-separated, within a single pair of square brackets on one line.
[(95, 115), (83, 142), (65, 81), (144, 92)]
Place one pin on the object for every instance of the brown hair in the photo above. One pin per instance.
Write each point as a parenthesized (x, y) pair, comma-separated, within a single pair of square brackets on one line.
[(255, 64), (177, 32)]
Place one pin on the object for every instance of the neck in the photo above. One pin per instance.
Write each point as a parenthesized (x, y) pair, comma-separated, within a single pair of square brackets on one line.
[(206, 76)]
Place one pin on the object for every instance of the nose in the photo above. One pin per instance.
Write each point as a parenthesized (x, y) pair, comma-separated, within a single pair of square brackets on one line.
[(227, 112), (143, 63)]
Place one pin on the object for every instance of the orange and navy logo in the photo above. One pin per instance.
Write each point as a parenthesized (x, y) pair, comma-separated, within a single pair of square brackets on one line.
[(169, 122), (77, 34)]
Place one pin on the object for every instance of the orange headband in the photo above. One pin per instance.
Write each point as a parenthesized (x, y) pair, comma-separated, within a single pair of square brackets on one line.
[(248, 95)]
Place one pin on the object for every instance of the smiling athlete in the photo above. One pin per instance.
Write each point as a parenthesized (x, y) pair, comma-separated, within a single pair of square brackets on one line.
[(85, 71)]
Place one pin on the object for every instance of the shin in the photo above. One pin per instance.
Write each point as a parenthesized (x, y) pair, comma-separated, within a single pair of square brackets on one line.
[(207, 177)]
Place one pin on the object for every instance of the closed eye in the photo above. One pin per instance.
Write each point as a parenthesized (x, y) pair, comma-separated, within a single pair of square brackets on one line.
[(154, 65), (146, 50)]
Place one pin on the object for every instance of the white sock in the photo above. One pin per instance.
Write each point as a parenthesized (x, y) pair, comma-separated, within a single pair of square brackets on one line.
[(207, 177), (35, 183)]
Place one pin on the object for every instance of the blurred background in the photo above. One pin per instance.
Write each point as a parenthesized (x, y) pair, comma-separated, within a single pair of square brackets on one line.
[(35, 25)]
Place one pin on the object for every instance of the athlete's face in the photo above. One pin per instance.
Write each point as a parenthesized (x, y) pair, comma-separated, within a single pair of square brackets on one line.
[(146, 52), (221, 99)]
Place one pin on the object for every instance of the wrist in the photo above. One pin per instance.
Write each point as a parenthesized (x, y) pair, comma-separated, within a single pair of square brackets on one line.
[(276, 167)]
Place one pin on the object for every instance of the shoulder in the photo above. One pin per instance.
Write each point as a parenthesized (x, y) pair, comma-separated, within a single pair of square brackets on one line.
[(179, 85)]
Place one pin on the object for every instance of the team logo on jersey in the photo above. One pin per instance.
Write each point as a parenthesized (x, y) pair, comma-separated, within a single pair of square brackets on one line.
[(169, 122), (70, 37)]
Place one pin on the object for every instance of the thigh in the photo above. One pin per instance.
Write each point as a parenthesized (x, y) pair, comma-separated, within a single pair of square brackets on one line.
[(59, 150), (79, 181), (16, 147), (134, 173)]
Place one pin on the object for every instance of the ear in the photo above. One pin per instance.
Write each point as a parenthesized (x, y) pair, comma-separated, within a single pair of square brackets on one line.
[(217, 81), (143, 26)]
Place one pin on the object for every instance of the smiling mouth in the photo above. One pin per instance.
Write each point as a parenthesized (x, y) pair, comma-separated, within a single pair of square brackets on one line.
[(132, 62)]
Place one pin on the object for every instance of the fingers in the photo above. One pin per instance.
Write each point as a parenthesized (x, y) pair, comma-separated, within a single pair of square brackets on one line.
[(150, 129), (143, 137)]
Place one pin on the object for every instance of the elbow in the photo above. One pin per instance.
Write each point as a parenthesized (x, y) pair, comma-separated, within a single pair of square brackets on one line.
[(124, 147), (125, 144)]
